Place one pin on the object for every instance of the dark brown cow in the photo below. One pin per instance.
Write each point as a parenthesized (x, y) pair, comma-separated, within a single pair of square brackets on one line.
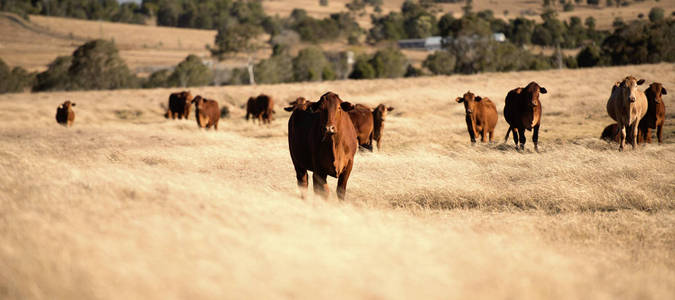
[(207, 112), (322, 139), (65, 114), (656, 114), (481, 116), (522, 110), (179, 105), (379, 115), (261, 108), (362, 118)]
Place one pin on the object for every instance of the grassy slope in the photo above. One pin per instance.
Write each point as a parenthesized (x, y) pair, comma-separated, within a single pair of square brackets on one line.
[(128, 205)]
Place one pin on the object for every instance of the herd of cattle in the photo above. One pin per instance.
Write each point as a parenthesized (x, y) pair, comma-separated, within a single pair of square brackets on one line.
[(324, 135)]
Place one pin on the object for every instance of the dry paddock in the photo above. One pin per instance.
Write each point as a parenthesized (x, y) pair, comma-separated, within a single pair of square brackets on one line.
[(128, 205)]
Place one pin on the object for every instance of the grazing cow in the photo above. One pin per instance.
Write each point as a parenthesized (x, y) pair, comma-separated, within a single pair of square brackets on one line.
[(179, 105), (655, 116), (322, 139), (379, 114), (261, 108), (522, 110), (362, 118), (207, 112), (481, 116), (65, 114), (627, 105)]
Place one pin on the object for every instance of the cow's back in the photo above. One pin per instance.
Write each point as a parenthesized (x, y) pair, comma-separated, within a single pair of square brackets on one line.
[(300, 130), (488, 112), (511, 108)]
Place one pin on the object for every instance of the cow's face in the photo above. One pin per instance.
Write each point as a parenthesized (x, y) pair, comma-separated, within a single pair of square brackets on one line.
[(629, 88), (330, 108), (532, 91), (198, 101), (381, 111), (657, 90), (470, 102), (67, 104)]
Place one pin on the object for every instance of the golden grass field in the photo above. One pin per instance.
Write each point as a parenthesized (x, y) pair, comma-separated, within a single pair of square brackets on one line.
[(128, 205), (34, 44)]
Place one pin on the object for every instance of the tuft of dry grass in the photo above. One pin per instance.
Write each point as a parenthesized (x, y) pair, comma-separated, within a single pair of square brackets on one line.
[(126, 204)]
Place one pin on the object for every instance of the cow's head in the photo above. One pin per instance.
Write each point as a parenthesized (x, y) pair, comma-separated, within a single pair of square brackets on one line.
[(331, 109), (470, 102), (198, 101), (67, 104), (532, 91), (380, 112), (628, 88), (656, 89), (299, 103)]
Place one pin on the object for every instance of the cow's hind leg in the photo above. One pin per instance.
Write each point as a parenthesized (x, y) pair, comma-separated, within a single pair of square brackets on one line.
[(535, 137), (491, 132), (303, 181), (515, 136), (320, 185), (342, 181), (521, 138)]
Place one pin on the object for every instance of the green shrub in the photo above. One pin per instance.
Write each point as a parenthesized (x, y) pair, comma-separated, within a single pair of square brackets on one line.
[(158, 79), (14, 80), (389, 63), (440, 63), (190, 72), (55, 78), (309, 65), (656, 14), (96, 65), (362, 69)]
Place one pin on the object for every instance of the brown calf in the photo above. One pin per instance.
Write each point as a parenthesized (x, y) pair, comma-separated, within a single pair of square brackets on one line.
[(207, 112), (481, 116), (362, 118), (379, 115), (65, 114), (655, 116)]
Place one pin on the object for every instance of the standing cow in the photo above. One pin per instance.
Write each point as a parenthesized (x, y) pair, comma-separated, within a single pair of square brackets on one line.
[(65, 114), (362, 118), (522, 110), (299, 103), (261, 108), (655, 116), (379, 115), (322, 139), (179, 105), (627, 105), (481, 116), (207, 112)]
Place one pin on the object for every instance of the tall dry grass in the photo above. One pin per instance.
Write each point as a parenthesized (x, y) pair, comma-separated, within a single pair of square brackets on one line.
[(126, 204)]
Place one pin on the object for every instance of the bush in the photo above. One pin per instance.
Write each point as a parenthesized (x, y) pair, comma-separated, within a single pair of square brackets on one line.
[(97, 65), (656, 14), (276, 69), (568, 6), (157, 79), (362, 69), (14, 80), (190, 72), (55, 78), (440, 63), (641, 42), (389, 63), (310, 65), (413, 72)]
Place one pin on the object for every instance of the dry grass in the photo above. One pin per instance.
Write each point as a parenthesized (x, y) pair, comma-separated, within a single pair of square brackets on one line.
[(128, 205)]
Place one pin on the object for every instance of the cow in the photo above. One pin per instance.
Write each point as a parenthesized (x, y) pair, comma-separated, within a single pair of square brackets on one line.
[(481, 116), (362, 118), (627, 105), (179, 105), (322, 139), (522, 110), (65, 114), (655, 116), (379, 115), (299, 103), (207, 112), (261, 108)]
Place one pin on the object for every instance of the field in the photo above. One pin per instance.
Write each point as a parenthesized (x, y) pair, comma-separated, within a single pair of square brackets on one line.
[(128, 205), (34, 44)]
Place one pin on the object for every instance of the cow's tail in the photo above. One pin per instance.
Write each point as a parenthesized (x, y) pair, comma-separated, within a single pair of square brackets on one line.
[(506, 138)]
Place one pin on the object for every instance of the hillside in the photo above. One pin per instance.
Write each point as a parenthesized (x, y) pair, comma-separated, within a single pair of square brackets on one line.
[(126, 204)]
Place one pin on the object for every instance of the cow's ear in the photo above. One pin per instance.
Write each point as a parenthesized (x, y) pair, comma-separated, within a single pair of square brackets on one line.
[(459, 100), (290, 108), (663, 91), (390, 108), (478, 98), (72, 104), (542, 90), (346, 106), (640, 82), (315, 106)]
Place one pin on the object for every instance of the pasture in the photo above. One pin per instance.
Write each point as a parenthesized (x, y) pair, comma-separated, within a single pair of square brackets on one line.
[(128, 205)]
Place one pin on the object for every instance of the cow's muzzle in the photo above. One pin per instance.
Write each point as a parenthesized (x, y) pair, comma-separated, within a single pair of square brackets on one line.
[(632, 98), (330, 130), (468, 111)]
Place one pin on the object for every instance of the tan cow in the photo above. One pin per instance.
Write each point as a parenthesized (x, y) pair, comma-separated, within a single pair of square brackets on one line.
[(65, 114), (207, 112), (627, 105), (481, 116)]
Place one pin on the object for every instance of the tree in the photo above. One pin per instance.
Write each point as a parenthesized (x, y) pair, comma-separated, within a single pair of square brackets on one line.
[(234, 37), (440, 63), (389, 63), (14, 80), (55, 78), (97, 65), (362, 69), (310, 65), (656, 14), (190, 72)]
